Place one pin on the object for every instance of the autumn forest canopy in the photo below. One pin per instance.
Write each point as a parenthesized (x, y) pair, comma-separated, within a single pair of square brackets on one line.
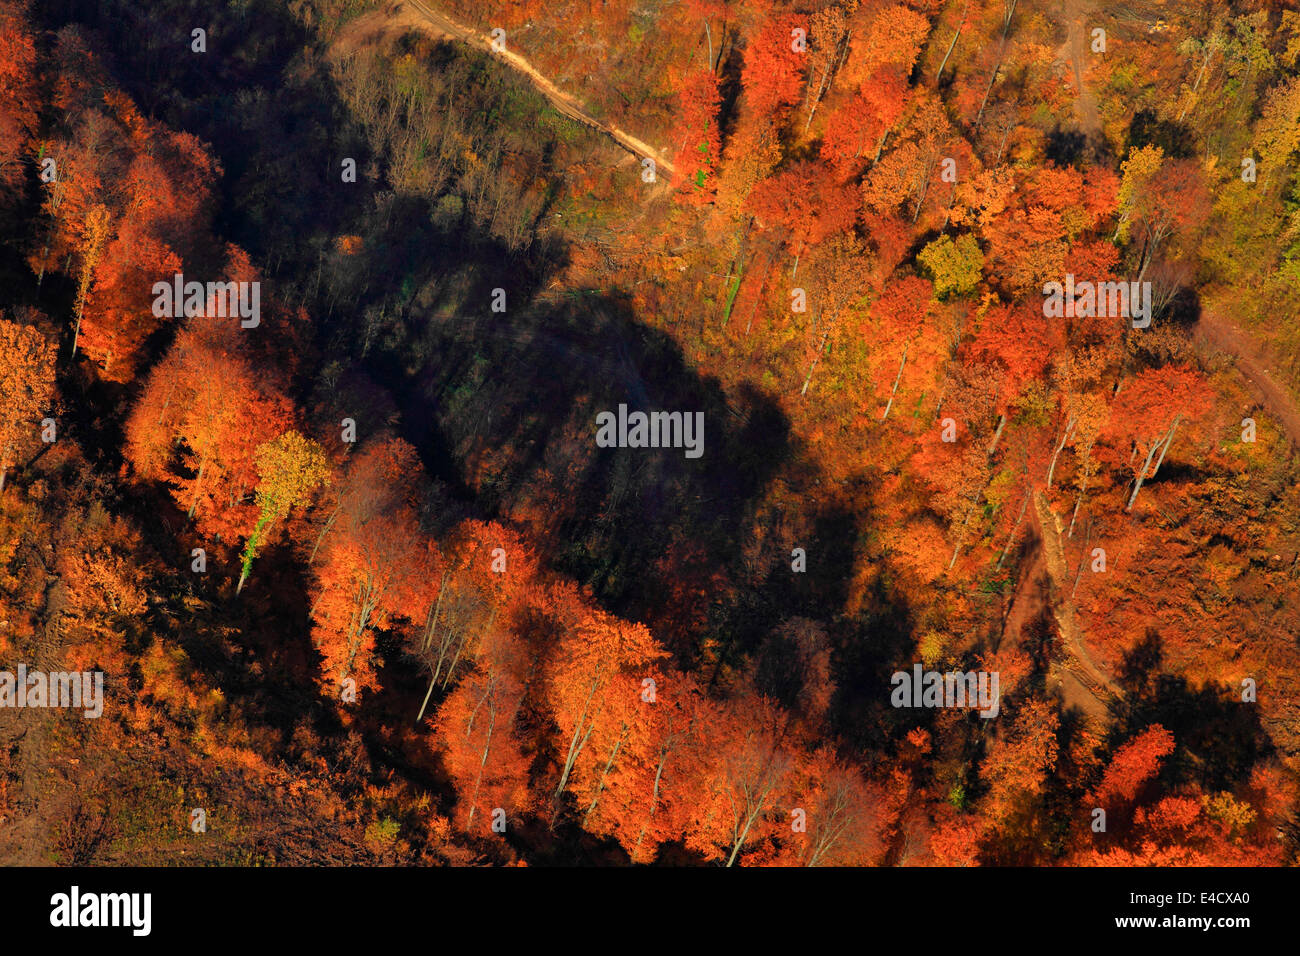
[(709, 433)]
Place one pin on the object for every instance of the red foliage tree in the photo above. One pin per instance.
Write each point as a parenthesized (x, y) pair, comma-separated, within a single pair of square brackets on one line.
[(701, 151), (773, 71)]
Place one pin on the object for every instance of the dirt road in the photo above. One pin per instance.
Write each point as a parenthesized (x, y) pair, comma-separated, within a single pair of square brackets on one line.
[(1076, 13), (1218, 333), (427, 18), (1078, 666), (1043, 588)]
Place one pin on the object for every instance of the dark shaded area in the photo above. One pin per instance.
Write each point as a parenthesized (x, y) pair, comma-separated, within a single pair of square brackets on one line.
[(1148, 129), (1065, 147), (520, 396), (501, 406), (1219, 736)]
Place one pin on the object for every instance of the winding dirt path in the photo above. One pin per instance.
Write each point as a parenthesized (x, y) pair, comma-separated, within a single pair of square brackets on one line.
[(1085, 106), (419, 14), (1217, 333), (1078, 666), (1082, 681), (1042, 588)]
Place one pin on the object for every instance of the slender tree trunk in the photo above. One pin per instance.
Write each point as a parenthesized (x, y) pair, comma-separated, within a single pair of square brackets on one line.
[(443, 646), (1148, 253), (1002, 144), (654, 800), (576, 744), (329, 523), (897, 379), (431, 624), (754, 808), (880, 147), (1141, 476), (1083, 559), (250, 548), (979, 117), (925, 188), (960, 26), (1169, 441), (198, 480), (1065, 437), (487, 746), (44, 254), (425, 703), (947, 213), (1078, 501), (1196, 86), (76, 329), (816, 358), (997, 435), (829, 834), (817, 97), (451, 668), (600, 787), (961, 530), (758, 296)]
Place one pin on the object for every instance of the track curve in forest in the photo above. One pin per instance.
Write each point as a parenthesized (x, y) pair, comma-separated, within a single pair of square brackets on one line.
[(570, 106)]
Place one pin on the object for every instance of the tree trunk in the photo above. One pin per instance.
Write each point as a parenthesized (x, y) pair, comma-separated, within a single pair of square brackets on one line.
[(76, 329), (1169, 441), (1077, 501), (960, 26), (925, 188), (576, 744), (1083, 559), (329, 523), (1141, 476), (425, 703), (816, 358), (487, 745), (754, 808), (997, 435), (897, 378), (758, 296), (817, 97), (198, 480), (1069, 429), (600, 787), (1197, 85), (880, 147), (44, 254), (979, 117), (431, 624)]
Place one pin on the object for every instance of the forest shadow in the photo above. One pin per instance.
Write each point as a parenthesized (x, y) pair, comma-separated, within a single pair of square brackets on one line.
[(1220, 737), (508, 408), (1184, 310), (501, 406), (1065, 147), (1149, 129)]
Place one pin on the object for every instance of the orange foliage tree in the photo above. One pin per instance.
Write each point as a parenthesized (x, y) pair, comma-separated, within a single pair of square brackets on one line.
[(27, 383)]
